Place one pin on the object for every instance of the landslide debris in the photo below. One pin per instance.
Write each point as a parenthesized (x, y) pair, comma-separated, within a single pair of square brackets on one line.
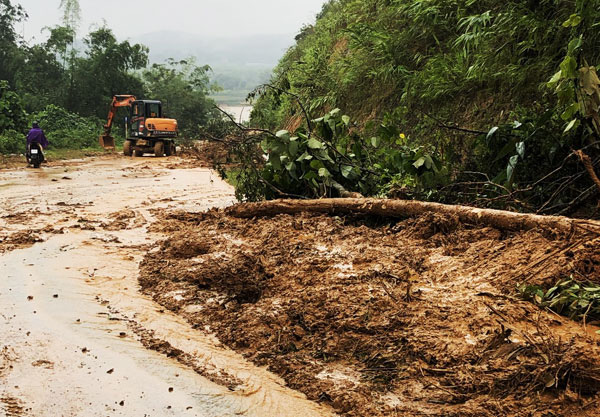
[(18, 240), (379, 318)]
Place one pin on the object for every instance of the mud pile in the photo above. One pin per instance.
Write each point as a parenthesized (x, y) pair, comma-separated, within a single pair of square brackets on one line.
[(417, 317), (21, 239)]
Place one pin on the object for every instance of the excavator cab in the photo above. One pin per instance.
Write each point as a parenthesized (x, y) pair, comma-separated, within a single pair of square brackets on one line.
[(142, 110)]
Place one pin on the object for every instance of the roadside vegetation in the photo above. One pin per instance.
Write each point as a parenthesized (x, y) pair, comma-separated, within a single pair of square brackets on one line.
[(480, 103), (68, 87)]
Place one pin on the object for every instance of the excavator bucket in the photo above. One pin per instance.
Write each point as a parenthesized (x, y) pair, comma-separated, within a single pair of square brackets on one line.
[(107, 142)]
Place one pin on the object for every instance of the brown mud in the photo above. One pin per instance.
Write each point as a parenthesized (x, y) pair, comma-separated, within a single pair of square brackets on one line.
[(387, 318)]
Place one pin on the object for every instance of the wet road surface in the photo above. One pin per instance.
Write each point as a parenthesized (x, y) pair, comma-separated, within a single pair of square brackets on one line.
[(77, 338)]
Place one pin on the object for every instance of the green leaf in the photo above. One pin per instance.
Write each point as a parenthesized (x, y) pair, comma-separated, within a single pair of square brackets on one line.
[(283, 134), (492, 131), (555, 79), (346, 120), (429, 162), (293, 147), (569, 67), (291, 167), (314, 144), (521, 149), (375, 141), (346, 170), (323, 172), (264, 146), (573, 123), (574, 45), (573, 21), (570, 112), (304, 157), (419, 162), (334, 112), (510, 169), (275, 161), (316, 164)]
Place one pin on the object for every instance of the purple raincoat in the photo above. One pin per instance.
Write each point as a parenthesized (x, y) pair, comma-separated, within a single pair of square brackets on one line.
[(36, 135)]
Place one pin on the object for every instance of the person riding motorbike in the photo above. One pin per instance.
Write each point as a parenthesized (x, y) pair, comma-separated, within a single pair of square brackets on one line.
[(36, 136)]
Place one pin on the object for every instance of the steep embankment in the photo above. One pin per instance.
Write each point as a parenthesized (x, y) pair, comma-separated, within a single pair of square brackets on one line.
[(449, 101)]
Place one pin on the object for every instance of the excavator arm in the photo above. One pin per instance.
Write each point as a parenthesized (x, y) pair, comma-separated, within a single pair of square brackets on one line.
[(106, 140)]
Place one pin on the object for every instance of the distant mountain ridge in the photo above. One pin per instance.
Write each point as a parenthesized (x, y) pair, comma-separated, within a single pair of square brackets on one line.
[(260, 50)]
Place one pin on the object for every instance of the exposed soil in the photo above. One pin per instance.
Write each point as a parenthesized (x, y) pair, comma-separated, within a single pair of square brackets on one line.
[(417, 317)]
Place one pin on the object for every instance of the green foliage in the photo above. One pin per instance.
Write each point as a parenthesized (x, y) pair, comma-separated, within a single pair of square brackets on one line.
[(577, 300), (12, 142), (183, 87), (66, 130), (10, 15), (332, 158), (12, 114), (431, 67), (69, 90)]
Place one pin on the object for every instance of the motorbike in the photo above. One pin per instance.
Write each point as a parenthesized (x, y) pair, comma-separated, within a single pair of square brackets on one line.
[(35, 155)]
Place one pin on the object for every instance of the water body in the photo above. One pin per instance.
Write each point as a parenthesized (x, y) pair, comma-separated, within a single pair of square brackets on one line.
[(240, 112)]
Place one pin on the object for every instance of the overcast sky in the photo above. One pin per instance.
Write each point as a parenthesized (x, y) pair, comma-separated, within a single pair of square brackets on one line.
[(230, 18)]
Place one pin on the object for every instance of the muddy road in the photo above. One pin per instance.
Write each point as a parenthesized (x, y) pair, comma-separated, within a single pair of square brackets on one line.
[(77, 336)]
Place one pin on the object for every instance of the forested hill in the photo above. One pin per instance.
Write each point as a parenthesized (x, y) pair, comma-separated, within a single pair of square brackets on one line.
[(443, 92)]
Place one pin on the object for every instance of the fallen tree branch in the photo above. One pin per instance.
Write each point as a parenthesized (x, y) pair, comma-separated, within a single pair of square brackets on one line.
[(589, 166), (504, 220), (451, 127)]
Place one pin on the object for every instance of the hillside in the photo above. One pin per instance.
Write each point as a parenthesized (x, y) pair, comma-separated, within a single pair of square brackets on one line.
[(455, 101)]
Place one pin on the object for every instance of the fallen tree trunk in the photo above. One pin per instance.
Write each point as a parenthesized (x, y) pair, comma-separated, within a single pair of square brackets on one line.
[(504, 220)]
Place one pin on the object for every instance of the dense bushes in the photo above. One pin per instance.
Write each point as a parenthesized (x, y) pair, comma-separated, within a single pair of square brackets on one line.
[(68, 130), (12, 114), (12, 142), (64, 130)]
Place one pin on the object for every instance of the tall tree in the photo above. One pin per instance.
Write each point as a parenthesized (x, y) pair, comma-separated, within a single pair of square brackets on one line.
[(9, 15), (71, 13)]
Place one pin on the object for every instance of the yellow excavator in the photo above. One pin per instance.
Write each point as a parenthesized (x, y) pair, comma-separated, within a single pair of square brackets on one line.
[(147, 130)]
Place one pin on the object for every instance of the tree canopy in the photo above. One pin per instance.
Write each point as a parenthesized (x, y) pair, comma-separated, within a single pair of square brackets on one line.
[(59, 77)]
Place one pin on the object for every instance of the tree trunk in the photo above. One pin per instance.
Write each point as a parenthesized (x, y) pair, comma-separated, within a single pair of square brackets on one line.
[(504, 220)]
